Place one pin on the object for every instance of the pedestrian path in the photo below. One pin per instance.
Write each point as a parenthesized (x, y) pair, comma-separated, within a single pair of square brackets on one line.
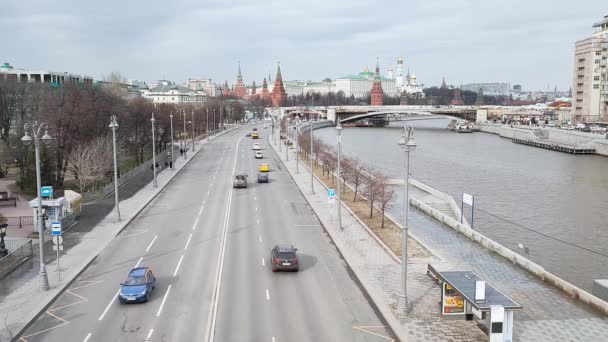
[(20, 306), (548, 314)]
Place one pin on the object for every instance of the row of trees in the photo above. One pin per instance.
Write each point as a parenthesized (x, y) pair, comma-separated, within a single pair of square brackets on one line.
[(365, 180), (78, 115)]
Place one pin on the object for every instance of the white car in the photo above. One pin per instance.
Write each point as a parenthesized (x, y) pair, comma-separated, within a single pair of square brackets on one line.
[(265, 126), (256, 147), (258, 155)]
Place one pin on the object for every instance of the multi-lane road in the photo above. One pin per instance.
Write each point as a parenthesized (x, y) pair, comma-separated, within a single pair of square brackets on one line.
[(209, 247)]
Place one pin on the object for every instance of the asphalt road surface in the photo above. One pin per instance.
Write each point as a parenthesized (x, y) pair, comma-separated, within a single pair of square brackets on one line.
[(209, 247)]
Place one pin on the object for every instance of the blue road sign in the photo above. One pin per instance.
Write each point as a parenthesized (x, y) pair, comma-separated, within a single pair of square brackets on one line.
[(331, 193), (46, 191), (55, 228)]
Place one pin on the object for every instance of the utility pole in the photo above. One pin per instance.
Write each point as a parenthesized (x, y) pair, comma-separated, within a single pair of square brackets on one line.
[(192, 130), (172, 159), (186, 135), (114, 125), (155, 184)]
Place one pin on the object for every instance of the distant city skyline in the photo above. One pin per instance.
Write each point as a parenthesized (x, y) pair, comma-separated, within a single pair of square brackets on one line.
[(517, 42)]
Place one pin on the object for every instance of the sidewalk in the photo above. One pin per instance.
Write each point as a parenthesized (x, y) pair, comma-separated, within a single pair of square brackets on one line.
[(21, 305), (548, 314)]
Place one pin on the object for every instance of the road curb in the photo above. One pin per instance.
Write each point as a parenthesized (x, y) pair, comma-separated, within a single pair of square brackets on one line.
[(385, 315), (46, 303)]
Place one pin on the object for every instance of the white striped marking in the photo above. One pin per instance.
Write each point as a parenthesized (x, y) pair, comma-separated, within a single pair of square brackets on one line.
[(188, 242), (149, 334), (273, 339), (258, 221), (179, 263), (151, 243), (160, 309), (260, 238), (103, 314), (87, 338), (138, 262), (263, 262), (267, 295)]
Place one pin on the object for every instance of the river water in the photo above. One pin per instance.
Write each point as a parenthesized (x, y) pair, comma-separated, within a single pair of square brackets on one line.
[(522, 194)]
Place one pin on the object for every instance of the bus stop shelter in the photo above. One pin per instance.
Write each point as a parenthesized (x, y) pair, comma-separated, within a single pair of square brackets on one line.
[(464, 293)]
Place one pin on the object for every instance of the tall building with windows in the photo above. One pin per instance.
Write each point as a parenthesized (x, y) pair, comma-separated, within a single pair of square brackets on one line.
[(590, 94)]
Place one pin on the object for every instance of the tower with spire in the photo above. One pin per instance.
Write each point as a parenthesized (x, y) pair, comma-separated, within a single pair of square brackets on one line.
[(225, 89), (253, 89), (278, 92), (443, 84), (377, 94), (457, 100), (479, 100), (399, 76), (239, 89)]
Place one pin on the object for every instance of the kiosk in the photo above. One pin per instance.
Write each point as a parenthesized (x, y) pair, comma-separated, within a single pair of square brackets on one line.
[(466, 294)]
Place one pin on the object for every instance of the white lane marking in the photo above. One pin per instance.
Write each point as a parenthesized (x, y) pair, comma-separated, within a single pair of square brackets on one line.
[(258, 221), (273, 339), (267, 295), (263, 262), (103, 314), (254, 198), (160, 309), (149, 335), (87, 338), (200, 211), (211, 320), (138, 262), (204, 202), (260, 238), (188, 242), (179, 263), (208, 192), (256, 209), (195, 223), (151, 243)]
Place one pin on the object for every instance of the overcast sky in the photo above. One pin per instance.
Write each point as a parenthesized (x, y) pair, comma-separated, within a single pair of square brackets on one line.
[(529, 42)]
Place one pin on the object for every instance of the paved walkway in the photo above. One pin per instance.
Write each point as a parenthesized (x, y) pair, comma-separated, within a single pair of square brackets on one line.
[(20, 305), (548, 314)]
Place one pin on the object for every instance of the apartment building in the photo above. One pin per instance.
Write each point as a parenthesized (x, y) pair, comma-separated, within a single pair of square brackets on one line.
[(590, 83)]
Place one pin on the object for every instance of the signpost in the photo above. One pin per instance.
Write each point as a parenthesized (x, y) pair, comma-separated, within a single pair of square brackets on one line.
[(331, 199), (57, 242), (470, 200), (46, 191)]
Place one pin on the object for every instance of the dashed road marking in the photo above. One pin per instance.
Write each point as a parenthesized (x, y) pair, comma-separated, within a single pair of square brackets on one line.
[(151, 243), (149, 335), (138, 262), (260, 238), (263, 262), (258, 221), (267, 295), (103, 314), (179, 263), (162, 304), (188, 242), (87, 337)]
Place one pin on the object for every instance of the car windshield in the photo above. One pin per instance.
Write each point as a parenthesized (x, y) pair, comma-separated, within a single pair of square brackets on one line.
[(135, 280), (287, 255), (240, 177)]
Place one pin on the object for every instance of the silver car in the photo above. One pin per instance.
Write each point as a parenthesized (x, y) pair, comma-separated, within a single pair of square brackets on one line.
[(240, 180)]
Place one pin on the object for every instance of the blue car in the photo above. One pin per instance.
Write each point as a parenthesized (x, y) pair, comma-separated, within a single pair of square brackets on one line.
[(138, 286)]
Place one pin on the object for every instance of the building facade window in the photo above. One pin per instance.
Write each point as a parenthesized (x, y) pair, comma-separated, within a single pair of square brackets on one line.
[(596, 78), (596, 86)]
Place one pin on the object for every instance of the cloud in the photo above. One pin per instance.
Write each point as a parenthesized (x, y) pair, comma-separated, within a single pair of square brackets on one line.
[(466, 40)]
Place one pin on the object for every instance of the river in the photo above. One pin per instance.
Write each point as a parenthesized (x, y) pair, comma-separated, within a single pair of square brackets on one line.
[(522, 194)]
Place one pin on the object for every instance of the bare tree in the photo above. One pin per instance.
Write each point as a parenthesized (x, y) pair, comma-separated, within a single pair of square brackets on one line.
[(354, 174), (371, 189), (385, 194), (91, 162)]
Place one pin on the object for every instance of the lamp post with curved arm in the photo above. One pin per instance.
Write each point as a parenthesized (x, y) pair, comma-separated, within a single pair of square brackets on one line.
[(36, 129)]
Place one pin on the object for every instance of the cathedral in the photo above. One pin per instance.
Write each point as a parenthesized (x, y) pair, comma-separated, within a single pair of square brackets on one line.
[(408, 84)]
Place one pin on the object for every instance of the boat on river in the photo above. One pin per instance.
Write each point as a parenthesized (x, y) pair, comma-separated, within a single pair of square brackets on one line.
[(462, 126)]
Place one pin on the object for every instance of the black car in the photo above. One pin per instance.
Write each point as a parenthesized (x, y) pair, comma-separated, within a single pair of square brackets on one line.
[(248, 134), (262, 177), (284, 258)]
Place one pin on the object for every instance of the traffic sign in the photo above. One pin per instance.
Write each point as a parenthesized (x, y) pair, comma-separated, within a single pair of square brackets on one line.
[(57, 248), (331, 192), (46, 191), (57, 240), (56, 228)]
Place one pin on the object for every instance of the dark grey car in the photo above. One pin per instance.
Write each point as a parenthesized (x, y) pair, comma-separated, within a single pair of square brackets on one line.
[(284, 258), (263, 177), (240, 180)]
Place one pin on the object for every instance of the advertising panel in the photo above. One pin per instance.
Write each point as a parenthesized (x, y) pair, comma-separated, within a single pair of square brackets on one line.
[(452, 302)]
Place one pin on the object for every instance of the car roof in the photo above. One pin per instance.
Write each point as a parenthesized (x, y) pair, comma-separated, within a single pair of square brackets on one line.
[(285, 248), (139, 271)]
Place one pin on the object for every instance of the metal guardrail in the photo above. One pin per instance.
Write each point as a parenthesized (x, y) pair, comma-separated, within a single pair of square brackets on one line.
[(8, 202), (20, 221), (18, 252)]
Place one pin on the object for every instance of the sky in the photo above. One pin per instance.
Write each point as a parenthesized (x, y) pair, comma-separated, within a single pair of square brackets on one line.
[(527, 42)]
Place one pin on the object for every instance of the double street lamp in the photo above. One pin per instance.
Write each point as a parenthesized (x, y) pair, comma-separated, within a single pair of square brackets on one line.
[(113, 126), (409, 145), (36, 130)]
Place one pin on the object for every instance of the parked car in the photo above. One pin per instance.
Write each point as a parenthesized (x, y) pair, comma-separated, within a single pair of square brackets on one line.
[(263, 177), (284, 258), (256, 147), (259, 155), (138, 286), (240, 180), (264, 167)]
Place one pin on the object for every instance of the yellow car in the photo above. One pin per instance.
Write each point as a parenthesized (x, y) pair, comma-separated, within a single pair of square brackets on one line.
[(254, 136), (264, 167)]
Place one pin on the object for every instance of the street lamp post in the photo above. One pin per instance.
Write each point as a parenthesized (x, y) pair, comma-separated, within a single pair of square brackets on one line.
[(193, 130), (280, 126), (312, 173), (186, 134), (409, 145), (213, 120), (36, 130), (207, 122), (295, 129), (339, 129), (286, 142), (172, 159), (114, 125), (155, 184)]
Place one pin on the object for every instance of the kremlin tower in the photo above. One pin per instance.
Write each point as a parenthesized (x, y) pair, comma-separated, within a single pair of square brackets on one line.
[(253, 89), (457, 100), (265, 88), (239, 89), (377, 94), (278, 92), (225, 89)]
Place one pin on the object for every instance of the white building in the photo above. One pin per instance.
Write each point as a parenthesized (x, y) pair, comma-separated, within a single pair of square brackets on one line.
[(206, 85), (493, 89), (590, 81), (8, 72), (323, 88), (408, 84), (176, 94), (360, 85)]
